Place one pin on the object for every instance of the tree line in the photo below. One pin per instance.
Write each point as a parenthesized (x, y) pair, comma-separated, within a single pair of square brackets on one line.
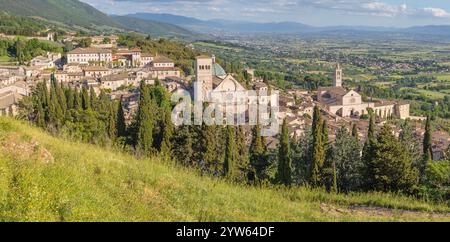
[(384, 163), (22, 50)]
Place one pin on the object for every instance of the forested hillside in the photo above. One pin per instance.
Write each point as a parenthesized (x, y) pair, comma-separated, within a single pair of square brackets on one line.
[(70, 12), (17, 25), (155, 28), (78, 16)]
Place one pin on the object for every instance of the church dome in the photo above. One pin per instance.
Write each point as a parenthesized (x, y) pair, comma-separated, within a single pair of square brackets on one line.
[(218, 70)]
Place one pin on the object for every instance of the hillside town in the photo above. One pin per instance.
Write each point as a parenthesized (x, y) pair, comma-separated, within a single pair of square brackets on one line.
[(119, 71)]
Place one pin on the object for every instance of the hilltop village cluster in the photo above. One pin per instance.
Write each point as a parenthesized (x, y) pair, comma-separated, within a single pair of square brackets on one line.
[(121, 70)]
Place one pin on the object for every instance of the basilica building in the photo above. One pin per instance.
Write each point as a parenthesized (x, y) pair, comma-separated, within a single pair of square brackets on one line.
[(211, 80), (349, 104)]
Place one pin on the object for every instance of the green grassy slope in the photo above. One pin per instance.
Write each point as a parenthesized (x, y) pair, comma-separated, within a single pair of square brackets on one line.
[(43, 178)]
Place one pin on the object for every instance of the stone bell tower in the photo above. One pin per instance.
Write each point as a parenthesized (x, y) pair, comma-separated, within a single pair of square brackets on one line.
[(203, 78), (338, 76)]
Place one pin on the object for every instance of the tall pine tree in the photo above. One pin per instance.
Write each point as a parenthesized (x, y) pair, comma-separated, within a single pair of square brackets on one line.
[(258, 160), (145, 122), (284, 174), (355, 133), (392, 167), (427, 147), (120, 121), (112, 131), (346, 157), (182, 148), (411, 143), (368, 155), (243, 155), (317, 153), (230, 162), (167, 133)]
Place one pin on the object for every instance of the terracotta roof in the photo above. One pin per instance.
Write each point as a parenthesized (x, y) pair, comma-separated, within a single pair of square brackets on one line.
[(384, 103), (162, 59), (115, 77), (147, 55), (335, 90), (90, 50), (162, 69), (95, 68), (123, 51), (75, 74), (203, 57)]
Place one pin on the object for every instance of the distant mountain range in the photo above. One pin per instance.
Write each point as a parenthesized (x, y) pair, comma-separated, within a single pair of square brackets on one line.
[(153, 27), (208, 26), (82, 16), (215, 25)]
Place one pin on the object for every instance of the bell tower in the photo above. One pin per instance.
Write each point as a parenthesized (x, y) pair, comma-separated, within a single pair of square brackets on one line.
[(338, 76), (203, 78)]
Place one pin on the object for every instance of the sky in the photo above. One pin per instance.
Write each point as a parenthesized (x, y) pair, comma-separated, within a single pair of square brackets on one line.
[(389, 13)]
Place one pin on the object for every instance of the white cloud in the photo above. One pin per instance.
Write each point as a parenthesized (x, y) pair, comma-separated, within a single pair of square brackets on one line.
[(384, 9), (435, 12), (276, 10)]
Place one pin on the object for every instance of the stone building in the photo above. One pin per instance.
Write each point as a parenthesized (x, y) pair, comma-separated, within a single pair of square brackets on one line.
[(349, 103), (89, 55)]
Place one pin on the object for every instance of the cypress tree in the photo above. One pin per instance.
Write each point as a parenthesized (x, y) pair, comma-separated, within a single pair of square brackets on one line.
[(85, 99), (317, 158), (70, 97), (167, 129), (120, 121), (60, 94), (325, 133), (182, 146), (93, 99), (284, 174), (55, 111), (257, 156), (112, 131), (355, 133), (206, 146), (77, 102), (243, 155), (411, 143), (39, 105), (334, 187), (328, 172), (427, 146), (230, 161), (145, 122), (40, 116), (368, 155)]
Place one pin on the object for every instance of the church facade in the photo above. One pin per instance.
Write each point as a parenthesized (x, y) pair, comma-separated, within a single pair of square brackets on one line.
[(348, 103), (214, 86)]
